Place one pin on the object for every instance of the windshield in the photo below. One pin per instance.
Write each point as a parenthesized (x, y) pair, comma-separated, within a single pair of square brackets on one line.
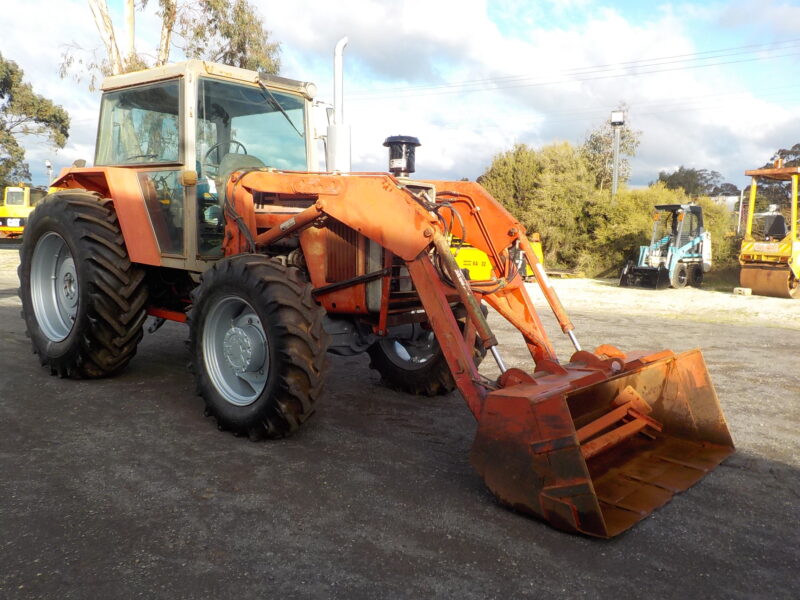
[(37, 195), (665, 228), (15, 198), (242, 120), (140, 125)]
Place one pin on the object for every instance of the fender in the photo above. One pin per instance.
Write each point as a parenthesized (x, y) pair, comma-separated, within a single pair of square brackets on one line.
[(122, 186)]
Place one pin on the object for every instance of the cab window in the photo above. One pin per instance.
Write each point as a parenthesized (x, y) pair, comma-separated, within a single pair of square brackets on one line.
[(140, 125), (15, 198), (244, 120)]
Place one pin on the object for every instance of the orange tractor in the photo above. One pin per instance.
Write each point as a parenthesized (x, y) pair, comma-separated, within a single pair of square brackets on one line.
[(206, 206)]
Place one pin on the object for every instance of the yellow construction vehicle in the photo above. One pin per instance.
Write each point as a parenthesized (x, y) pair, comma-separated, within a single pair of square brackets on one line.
[(770, 252), (480, 267), (18, 202)]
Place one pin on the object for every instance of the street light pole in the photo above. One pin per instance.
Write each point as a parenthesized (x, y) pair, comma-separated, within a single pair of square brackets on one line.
[(617, 121)]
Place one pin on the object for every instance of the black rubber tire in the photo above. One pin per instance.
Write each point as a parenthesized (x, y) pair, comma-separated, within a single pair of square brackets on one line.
[(680, 277), (297, 343), (432, 379), (111, 290), (696, 275), (624, 279)]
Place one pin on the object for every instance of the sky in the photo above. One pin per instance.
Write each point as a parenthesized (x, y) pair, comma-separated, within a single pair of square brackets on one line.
[(708, 84)]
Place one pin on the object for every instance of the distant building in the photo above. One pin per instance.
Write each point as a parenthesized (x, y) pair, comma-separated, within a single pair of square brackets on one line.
[(732, 202)]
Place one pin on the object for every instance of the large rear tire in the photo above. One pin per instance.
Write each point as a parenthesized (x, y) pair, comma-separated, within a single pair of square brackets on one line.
[(258, 346), (83, 300)]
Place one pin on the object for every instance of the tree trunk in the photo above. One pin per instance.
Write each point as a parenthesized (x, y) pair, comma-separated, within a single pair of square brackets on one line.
[(106, 30), (170, 8), (130, 28)]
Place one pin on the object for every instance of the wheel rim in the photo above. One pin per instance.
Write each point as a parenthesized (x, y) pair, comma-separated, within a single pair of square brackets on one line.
[(413, 349), (54, 287), (236, 351)]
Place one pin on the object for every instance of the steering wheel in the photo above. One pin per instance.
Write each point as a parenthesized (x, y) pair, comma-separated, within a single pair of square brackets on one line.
[(209, 166), (130, 158)]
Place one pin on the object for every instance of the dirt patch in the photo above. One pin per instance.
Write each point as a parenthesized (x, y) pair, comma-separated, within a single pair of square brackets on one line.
[(705, 305)]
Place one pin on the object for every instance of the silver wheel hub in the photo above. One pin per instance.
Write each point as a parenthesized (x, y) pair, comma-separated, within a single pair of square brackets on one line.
[(235, 350), (411, 347), (67, 284), (55, 289), (243, 348)]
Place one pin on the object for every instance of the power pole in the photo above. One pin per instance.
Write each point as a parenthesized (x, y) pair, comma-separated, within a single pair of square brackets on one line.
[(617, 121)]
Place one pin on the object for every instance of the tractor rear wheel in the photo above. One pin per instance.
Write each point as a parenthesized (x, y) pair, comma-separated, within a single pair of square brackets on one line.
[(410, 360), (258, 346), (83, 300)]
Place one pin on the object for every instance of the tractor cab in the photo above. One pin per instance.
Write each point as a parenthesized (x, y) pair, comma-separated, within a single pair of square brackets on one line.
[(185, 127)]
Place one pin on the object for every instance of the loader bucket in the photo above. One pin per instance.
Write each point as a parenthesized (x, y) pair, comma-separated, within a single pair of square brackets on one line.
[(594, 454), (656, 278)]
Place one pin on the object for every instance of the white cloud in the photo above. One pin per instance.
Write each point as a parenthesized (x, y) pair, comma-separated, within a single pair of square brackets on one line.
[(540, 67)]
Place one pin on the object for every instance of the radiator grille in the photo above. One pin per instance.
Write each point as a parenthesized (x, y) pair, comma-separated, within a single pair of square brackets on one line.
[(342, 252)]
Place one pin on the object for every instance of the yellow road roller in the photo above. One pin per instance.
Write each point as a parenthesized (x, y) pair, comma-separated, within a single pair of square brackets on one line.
[(770, 252)]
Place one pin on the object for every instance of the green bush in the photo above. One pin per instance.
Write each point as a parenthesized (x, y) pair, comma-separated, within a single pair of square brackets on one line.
[(551, 191)]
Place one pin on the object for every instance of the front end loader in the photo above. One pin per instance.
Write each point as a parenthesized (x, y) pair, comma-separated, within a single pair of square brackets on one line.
[(679, 252), (204, 207)]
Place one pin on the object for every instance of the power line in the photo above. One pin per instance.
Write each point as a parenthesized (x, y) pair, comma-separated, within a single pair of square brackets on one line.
[(651, 108), (632, 68)]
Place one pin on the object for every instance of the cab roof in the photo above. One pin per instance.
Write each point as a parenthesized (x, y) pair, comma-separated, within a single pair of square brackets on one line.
[(779, 173), (694, 208), (199, 68)]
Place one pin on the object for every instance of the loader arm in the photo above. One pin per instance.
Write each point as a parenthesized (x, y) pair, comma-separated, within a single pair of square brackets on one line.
[(592, 445)]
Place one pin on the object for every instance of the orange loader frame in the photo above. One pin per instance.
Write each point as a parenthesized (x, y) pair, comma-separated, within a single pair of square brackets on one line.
[(591, 446)]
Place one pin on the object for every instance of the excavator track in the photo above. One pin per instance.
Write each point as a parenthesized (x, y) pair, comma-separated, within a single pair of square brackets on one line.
[(778, 282)]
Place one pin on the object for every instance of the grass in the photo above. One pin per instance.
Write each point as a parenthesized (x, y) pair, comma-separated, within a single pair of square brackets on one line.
[(722, 278)]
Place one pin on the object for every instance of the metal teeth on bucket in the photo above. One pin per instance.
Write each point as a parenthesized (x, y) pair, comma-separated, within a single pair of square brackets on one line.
[(595, 453)]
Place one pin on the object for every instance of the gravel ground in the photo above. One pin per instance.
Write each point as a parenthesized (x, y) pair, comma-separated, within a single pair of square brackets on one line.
[(120, 488)]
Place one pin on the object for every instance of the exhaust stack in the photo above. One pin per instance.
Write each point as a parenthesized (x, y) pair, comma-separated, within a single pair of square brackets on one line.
[(337, 147)]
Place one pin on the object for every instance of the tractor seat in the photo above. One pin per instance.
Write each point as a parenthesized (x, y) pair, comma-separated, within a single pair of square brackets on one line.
[(777, 230), (234, 162)]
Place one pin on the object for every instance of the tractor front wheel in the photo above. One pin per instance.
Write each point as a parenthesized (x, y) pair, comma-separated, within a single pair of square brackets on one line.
[(258, 346), (83, 300)]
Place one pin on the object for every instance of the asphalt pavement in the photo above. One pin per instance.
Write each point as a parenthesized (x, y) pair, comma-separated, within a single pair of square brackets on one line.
[(122, 488)]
